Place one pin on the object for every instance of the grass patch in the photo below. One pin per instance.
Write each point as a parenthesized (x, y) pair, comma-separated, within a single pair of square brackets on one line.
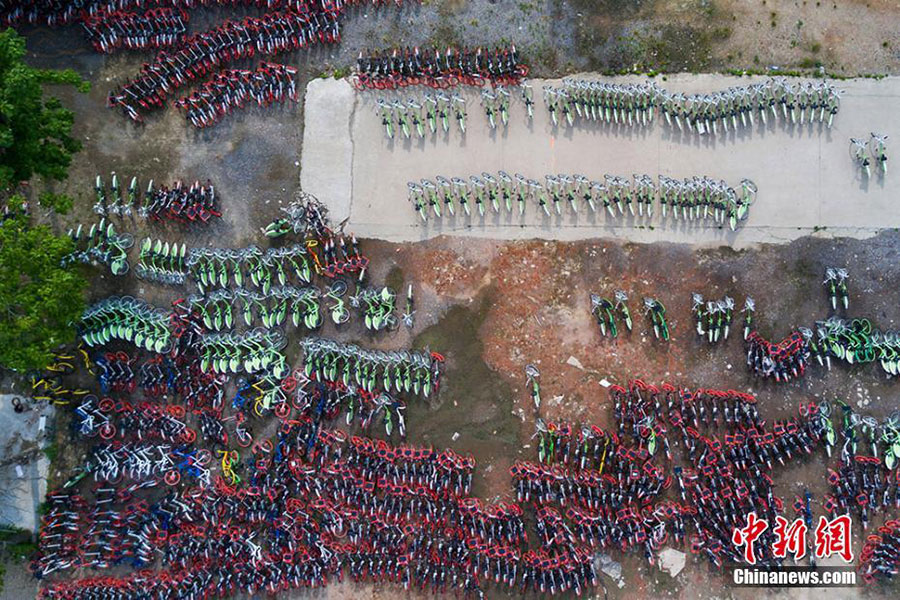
[(543, 56), (445, 35), (51, 451), (681, 48), (394, 279), (614, 8)]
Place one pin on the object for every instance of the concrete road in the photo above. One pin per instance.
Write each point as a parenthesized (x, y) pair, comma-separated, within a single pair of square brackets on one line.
[(806, 178)]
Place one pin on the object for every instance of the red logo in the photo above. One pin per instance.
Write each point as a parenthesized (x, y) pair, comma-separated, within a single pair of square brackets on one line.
[(833, 537), (748, 535)]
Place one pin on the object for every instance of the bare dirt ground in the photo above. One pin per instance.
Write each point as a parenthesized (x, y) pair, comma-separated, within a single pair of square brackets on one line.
[(513, 303)]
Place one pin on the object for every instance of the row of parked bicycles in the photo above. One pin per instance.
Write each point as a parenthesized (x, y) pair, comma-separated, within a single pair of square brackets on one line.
[(62, 12), (607, 312), (713, 318), (211, 268), (691, 199), (231, 89), (100, 244), (203, 53), (440, 69), (156, 28), (416, 373), (180, 203), (126, 319), (634, 105), (428, 113), (225, 308), (585, 101)]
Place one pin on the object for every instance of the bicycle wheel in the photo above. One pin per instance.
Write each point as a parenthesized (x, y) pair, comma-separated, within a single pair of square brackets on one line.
[(338, 287), (391, 322), (126, 240)]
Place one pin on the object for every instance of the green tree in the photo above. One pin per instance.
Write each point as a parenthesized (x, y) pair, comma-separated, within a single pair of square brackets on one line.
[(35, 132), (39, 299)]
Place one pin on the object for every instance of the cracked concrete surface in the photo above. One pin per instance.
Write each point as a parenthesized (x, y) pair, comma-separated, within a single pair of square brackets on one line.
[(807, 182), (328, 166), (23, 470)]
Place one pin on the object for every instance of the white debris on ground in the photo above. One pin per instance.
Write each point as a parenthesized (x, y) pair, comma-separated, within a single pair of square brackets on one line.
[(574, 362), (608, 566), (23, 465), (671, 561)]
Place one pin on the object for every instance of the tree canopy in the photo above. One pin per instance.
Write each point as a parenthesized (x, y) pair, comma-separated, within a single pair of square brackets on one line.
[(35, 132), (38, 297)]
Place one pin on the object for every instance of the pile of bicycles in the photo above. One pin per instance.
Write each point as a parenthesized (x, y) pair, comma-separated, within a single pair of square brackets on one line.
[(145, 422), (855, 341), (631, 105), (863, 482), (312, 503), (865, 152), (157, 28), (782, 361), (377, 306), (115, 372), (597, 476), (306, 216), (713, 317), (48, 386), (182, 203), (324, 252), (401, 67), (181, 377), (100, 244), (270, 83), (656, 314), (332, 253), (59, 12), (880, 556), (202, 53), (320, 401)]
